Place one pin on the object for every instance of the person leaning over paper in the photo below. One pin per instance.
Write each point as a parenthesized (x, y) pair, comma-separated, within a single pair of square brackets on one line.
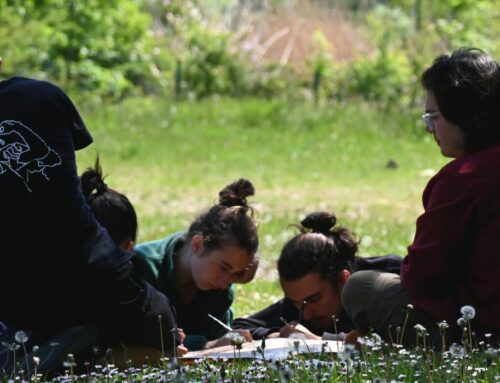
[(313, 267), (196, 268)]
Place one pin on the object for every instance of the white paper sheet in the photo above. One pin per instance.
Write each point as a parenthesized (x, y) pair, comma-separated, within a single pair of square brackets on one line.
[(276, 348)]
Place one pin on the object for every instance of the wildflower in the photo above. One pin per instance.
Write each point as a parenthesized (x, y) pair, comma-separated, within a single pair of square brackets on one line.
[(347, 352), (456, 350), (421, 330), (70, 361), (373, 341), (21, 337), (36, 360), (173, 363), (409, 307), (468, 312), (490, 353), (443, 326), (461, 322), (235, 338)]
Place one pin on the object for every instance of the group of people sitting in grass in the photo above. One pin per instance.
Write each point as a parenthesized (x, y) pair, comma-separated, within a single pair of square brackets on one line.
[(72, 277)]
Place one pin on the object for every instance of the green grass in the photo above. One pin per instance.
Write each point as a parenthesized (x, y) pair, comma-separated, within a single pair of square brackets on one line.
[(172, 159)]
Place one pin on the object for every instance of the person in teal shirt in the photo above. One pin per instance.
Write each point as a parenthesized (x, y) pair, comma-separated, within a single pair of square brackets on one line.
[(196, 269)]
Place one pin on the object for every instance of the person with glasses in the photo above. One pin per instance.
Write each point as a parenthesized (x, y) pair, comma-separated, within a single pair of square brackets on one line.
[(313, 267), (454, 258)]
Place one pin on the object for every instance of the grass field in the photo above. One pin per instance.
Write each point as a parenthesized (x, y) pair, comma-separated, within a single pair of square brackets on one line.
[(171, 159)]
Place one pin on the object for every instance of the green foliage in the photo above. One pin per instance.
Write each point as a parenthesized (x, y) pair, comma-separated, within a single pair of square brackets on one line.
[(210, 66), (321, 59), (99, 46), (390, 75), (384, 78), (116, 48)]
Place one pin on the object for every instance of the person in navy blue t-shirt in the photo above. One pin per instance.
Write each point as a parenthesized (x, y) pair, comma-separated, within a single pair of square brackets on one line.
[(58, 266)]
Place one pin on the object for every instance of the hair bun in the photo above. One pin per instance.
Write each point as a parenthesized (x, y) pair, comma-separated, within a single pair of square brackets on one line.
[(319, 222), (236, 194), (92, 179)]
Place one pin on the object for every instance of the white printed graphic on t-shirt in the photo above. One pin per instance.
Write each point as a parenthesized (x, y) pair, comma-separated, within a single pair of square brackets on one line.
[(23, 152)]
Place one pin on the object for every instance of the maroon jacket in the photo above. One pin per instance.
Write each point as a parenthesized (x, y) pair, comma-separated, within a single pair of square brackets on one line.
[(455, 257)]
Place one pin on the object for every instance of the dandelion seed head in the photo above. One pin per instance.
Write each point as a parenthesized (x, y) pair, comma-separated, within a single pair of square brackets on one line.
[(443, 325), (21, 337), (421, 330), (468, 312), (235, 338), (456, 350), (70, 361)]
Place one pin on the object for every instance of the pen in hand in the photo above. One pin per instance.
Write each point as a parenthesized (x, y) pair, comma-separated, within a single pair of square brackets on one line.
[(220, 322), (285, 322)]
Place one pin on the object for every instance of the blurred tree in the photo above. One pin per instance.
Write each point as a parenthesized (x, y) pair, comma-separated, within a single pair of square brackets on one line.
[(98, 45)]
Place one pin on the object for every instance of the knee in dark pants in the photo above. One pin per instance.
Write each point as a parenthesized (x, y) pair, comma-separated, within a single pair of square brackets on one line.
[(355, 297)]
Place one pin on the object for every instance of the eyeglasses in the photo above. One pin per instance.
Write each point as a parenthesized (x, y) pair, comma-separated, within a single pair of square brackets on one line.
[(429, 119)]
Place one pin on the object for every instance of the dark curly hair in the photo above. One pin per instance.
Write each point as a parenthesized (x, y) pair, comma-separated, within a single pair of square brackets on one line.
[(231, 221), (466, 85), (319, 247)]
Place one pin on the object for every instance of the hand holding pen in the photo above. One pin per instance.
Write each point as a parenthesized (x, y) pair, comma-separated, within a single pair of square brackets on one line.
[(295, 327)]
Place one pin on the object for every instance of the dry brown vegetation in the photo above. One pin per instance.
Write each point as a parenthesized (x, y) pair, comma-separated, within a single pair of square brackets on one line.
[(286, 34)]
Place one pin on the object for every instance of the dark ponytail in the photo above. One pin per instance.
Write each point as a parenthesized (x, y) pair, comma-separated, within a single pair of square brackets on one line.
[(112, 209), (320, 247), (231, 221)]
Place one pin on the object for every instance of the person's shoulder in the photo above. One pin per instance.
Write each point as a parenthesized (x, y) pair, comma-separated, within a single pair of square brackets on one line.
[(19, 83), (159, 248), (473, 162)]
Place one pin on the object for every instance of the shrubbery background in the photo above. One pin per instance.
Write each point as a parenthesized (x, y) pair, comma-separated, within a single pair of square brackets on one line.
[(324, 50)]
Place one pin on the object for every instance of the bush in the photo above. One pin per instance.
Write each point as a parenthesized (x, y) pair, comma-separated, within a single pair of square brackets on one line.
[(104, 47)]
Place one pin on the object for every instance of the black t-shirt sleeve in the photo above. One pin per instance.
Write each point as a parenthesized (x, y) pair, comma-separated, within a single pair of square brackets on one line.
[(267, 321), (390, 263), (80, 136)]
